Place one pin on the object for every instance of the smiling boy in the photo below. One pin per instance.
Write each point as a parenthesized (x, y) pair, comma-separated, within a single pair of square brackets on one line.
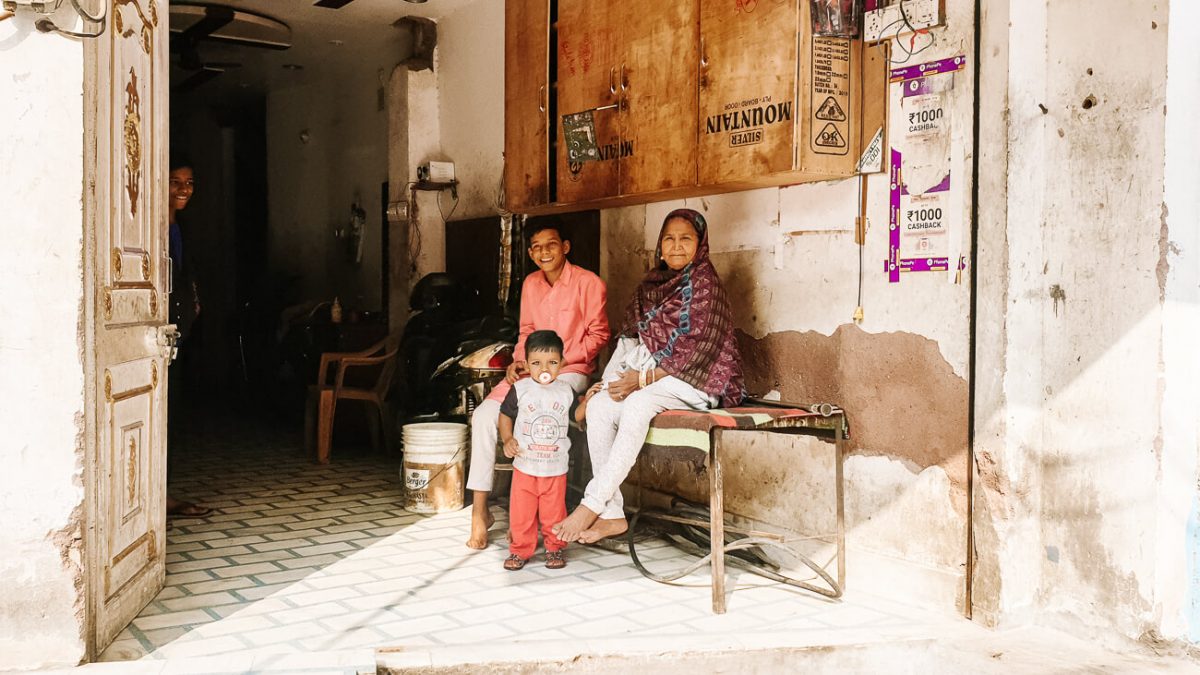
[(559, 297)]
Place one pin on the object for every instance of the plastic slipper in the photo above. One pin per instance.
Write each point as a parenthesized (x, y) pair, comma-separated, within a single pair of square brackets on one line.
[(189, 510)]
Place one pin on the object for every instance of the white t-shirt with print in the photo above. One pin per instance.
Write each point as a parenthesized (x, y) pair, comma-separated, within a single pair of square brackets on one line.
[(541, 414)]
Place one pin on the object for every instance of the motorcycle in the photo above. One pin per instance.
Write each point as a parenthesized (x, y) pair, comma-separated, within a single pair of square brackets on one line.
[(451, 347)]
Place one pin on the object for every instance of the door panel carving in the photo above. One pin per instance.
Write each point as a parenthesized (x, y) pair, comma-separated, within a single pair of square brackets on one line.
[(126, 145)]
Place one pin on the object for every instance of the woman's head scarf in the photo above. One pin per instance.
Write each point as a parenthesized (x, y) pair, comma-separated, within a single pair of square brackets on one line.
[(683, 318)]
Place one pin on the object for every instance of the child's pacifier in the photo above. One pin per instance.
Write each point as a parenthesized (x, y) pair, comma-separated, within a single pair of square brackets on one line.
[(545, 377)]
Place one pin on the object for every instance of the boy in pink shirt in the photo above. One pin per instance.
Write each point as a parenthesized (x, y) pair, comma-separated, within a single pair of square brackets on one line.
[(561, 297)]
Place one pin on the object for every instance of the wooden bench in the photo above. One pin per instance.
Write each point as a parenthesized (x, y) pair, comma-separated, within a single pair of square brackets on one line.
[(701, 432)]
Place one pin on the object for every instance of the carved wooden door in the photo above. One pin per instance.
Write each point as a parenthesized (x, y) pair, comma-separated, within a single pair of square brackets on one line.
[(125, 95), (526, 103), (747, 88), (658, 95), (588, 81)]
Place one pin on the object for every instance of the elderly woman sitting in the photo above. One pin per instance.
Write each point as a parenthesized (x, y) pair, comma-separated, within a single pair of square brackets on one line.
[(677, 350)]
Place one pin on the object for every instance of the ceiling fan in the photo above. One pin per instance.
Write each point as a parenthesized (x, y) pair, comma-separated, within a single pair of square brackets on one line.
[(193, 24)]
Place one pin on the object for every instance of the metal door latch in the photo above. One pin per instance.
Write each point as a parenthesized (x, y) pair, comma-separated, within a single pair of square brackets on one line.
[(168, 341)]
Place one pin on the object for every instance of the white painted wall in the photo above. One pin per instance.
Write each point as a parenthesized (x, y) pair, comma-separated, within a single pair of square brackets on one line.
[(1177, 590), (470, 67), (312, 184), (1087, 362), (41, 295), (456, 114)]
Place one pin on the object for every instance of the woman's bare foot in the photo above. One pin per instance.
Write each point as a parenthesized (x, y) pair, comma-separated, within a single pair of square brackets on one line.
[(604, 528), (573, 525), (481, 521)]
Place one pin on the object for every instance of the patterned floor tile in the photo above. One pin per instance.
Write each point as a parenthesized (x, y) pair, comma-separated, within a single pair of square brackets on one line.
[(302, 557)]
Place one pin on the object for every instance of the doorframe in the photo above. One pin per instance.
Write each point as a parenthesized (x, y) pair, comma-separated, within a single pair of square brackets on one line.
[(93, 577)]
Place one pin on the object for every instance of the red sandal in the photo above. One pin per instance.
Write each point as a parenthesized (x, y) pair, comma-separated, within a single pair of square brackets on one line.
[(514, 562)]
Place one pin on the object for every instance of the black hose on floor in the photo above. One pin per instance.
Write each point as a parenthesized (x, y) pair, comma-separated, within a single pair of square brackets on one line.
[(742, 552)]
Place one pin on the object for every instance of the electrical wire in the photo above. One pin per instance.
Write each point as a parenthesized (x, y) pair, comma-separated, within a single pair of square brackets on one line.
[(446, 216), (900, 25), (909, 52), (48, 26), (414, 230)]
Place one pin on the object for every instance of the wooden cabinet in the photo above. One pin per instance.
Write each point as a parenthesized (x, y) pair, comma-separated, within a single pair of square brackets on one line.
[(748, 87), (588, 60), (526, 103), (658, 75), (687, 97), (610, 61)]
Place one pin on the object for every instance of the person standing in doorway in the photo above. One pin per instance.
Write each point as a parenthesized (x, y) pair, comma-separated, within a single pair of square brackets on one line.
[(559, 297), (184, 310)]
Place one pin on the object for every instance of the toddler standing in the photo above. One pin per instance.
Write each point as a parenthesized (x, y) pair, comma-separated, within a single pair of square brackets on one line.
[(533, 428)]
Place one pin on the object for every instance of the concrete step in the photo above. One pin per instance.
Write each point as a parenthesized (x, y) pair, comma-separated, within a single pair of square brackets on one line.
[(964, 649)]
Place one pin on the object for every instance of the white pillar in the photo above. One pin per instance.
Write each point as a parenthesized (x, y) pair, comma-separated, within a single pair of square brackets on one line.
[(1178, 533), (42, 594)]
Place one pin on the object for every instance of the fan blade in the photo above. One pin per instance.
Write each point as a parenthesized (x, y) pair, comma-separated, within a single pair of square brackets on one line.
[(332, 4), (203, 75), (215, 17)]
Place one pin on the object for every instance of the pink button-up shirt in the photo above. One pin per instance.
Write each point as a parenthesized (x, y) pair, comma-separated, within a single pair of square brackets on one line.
[(574, 308)]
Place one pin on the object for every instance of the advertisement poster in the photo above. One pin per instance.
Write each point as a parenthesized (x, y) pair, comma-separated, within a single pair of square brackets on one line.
[(926, 182)]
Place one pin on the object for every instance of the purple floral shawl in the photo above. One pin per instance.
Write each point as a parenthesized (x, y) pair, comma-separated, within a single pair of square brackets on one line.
[(683, 318)]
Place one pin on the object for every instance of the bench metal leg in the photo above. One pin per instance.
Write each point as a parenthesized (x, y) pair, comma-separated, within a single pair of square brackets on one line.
[(839, 448), (716, 510)]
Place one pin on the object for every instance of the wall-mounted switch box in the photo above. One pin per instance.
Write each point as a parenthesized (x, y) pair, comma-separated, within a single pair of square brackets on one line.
[(887, 22)]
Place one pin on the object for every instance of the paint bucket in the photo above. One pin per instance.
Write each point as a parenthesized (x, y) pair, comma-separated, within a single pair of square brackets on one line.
[(433, 473)]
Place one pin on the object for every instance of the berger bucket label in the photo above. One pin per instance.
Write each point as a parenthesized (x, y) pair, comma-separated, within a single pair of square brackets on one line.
[(416, 479)]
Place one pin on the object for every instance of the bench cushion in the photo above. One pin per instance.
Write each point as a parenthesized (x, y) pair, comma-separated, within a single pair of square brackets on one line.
[(689, 429)]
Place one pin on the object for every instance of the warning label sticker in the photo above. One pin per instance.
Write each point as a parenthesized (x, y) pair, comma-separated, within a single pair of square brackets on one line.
[(830, 96), (830, 110), (830, 137)]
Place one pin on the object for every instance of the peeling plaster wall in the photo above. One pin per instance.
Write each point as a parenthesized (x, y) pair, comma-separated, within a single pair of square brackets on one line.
[(42, 604), (901, 374), (788, 259), (1088, 402), (1086, 504)]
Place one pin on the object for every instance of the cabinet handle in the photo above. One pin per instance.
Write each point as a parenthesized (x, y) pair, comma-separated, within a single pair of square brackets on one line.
[(703, 54), (612, 80), (542, 99), (624, 79)]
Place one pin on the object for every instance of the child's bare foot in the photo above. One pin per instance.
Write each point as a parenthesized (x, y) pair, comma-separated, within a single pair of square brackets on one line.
[(555, 560), (602, 529), (573, 525), (481, 521)]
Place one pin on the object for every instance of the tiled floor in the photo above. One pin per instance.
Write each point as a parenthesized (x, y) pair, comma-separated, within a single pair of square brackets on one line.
[(302, 558)]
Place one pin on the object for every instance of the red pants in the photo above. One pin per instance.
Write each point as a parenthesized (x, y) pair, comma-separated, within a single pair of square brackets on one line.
[(533, 497)]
